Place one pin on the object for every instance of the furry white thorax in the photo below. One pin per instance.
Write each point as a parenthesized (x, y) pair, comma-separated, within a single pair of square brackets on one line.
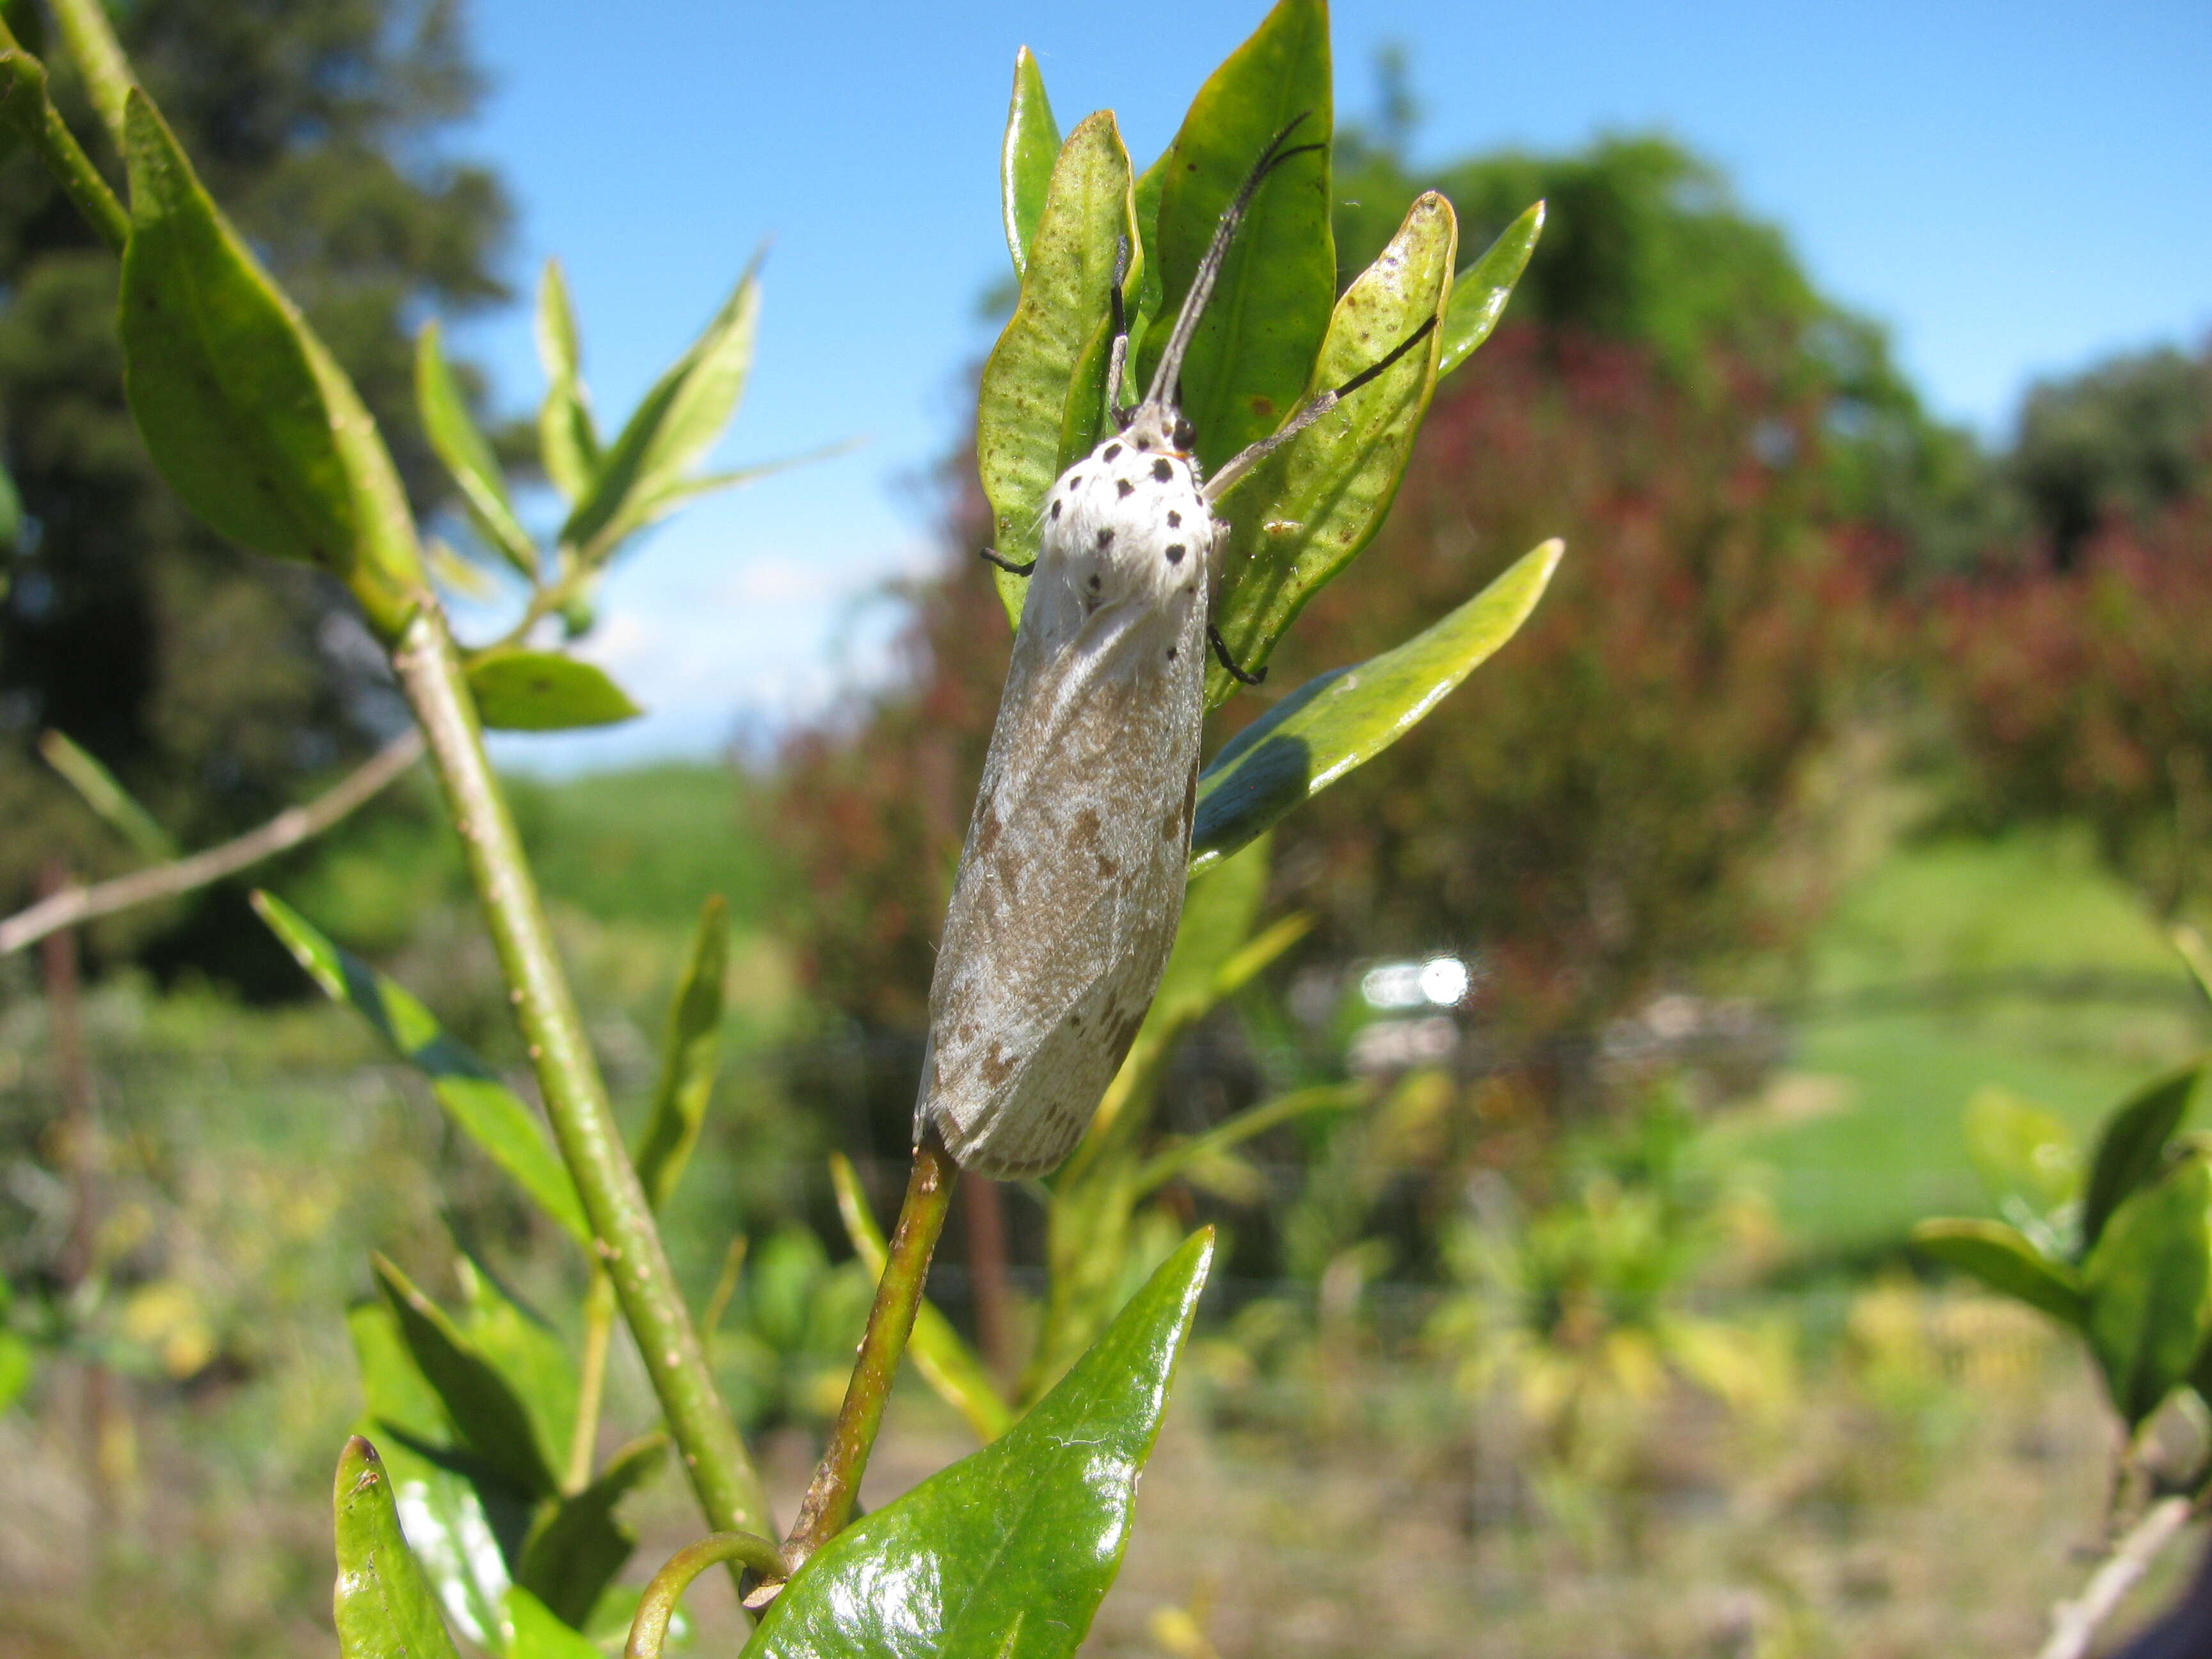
[(1126, 536)]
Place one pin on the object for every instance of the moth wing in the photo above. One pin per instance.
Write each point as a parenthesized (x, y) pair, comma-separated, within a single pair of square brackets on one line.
[(1069, 891)]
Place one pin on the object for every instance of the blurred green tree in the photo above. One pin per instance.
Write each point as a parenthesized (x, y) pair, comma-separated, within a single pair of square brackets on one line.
[(216, 685), (2127, 438)]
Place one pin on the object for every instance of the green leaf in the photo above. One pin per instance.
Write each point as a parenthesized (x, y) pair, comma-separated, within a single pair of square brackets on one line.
[(1027, 381), (11, 510), (523, 1347), (453, 434), (99, 791), (456, 1537), (2002, 1259), (1345, 718), (1219, 914), (1255, 347), (676, 423), (946, 1363), (481, 1404), (1478, 293), (2021, 1149), (578, 1546), (1164, 1166), (568, 441), (1008, 1553), (1025, 159), (689, 1055), (2147, 1282), (2131, 1148), (1308, 509), (522, 690), (485, 1109), (534, 1630), (14, 1368), (242, 410), (383, 1605)]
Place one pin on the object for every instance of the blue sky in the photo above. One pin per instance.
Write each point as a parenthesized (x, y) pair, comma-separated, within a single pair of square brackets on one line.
[(2014, 189)]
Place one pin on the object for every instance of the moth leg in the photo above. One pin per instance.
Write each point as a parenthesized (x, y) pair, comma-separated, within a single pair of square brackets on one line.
[(1233, 471), (1241, 676), (1118, 360), (1006, 564)]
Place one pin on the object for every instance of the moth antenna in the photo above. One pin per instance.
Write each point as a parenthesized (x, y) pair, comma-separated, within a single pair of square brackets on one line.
[(1117, 360), (1234, 469), (993, 556), (1209, 268), (1241, 676)]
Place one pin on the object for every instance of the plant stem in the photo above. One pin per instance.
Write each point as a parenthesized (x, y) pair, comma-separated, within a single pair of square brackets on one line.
[(829, 1502), (99, 59), (649, 1628), (714, 1460), (67, 906), (591, 1385), (25, 105), (2074, 1624)]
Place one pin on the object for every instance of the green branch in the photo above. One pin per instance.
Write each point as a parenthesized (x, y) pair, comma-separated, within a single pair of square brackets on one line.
[(649, 1629), (25, 105), (714, 1460), (99, 59), (829, 1502)]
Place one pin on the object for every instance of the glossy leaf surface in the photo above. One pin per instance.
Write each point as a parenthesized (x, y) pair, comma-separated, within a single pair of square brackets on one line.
[(2002, 1258), (675, 423), (1026, 157), (1307, 510), (1007, 1554), (690, 1051), (1255, 346), (481, 1405), (1063, 308), (460, 1533), (939, 1353), (2131, 1148), (383, 1605), (452, 433), (2148, 1280), (568, 442), (520, 691), (1479, 293), (578, 1546), (491, 1112), (1343, 719)]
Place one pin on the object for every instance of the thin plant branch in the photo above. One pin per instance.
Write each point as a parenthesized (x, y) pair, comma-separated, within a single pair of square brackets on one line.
[(2074, 1624), (830, 1498), (428, 664), (99, 59), (25, 105), (74, 905), (591, 1383), (649, 1629)]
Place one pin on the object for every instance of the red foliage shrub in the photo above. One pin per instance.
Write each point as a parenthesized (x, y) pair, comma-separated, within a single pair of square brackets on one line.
[(2086, 692), (1590, 812)]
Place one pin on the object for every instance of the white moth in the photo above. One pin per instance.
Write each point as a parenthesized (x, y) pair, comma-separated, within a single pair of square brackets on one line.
[(1071, 883)]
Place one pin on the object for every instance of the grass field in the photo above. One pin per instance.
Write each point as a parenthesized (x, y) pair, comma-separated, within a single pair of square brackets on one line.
[(1948, 968)]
